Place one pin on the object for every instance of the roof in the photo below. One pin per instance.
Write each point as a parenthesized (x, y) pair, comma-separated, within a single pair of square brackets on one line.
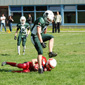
[(39, 2)]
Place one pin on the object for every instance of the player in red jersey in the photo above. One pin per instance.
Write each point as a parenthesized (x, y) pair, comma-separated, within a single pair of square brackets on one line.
[(31, 65)]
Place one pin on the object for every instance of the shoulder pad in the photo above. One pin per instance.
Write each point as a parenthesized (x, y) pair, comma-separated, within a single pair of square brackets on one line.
[(40, 20), (26, 23)]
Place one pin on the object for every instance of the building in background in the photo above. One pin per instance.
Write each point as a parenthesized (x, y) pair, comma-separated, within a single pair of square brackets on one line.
[(72, 11)]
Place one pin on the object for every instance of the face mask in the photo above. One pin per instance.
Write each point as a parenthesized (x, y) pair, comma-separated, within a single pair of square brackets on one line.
[(22, 21)]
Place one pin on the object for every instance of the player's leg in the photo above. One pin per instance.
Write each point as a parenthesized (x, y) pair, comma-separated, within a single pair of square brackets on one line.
[(1, 26), (37, 44), (9, 63), (23, 44), (24, 66), (24, 47), (18, 44), (51, 42), (38, 47), (20, 65), (46, 37), (10, 27), (4, 26), (55, 27), (40, 70), (59, 27)]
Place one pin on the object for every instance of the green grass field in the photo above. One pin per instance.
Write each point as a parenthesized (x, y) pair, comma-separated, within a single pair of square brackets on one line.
[(70, 69)]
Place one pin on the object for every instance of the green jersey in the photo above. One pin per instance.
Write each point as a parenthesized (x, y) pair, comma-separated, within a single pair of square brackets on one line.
[(39, 22), (23, 28)]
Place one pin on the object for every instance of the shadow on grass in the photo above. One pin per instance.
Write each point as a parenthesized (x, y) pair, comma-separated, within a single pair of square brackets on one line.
[(4, 70), (4, 54), (14, 71)]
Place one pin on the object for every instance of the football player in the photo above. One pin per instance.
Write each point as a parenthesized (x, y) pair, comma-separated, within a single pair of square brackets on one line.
[(39, 36), (23, 27), (33, 65)]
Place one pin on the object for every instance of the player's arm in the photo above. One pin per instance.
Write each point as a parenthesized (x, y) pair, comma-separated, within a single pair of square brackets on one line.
[(45, 31), (16, 34), (35, 64), (28, 32), (4, 18), (39, 33), (34, 61), (12, 19), (40, 37)]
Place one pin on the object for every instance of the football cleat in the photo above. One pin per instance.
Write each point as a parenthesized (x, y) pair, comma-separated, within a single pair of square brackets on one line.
[(40, 71), (3, 63), (18, 53), (23, 53), (52, 54)]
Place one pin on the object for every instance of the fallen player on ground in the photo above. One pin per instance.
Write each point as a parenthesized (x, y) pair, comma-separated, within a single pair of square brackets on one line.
[(29, 66)]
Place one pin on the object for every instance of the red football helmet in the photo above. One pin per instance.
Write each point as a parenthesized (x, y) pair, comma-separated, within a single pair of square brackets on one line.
[(51, 63)]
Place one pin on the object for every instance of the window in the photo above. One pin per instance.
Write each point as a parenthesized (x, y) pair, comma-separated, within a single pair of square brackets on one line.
[(5, 11), (81, 7), (28, 8), (16, 8), (32, 14), (54, 8), (39, 14), (81, 13), (69, 17), (81, 17), (69, 7), (41, 8), (16, 17)]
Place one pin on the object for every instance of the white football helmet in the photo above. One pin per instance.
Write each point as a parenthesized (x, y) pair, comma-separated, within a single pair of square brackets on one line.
[(22, 19), (48, 16), (51, 63)]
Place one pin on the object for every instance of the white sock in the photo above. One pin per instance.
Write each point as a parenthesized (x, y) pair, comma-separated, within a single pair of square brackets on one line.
[(18, 48), (24, 47)]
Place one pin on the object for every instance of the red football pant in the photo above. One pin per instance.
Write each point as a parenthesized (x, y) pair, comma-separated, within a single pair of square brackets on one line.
[(24, 66)]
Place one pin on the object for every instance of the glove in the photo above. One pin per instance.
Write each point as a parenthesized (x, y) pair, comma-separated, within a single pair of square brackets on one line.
[(15, 37), (43, 45)]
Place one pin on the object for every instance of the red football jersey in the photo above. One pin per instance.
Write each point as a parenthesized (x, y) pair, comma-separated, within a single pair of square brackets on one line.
[(30, 65), (43, 62)]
